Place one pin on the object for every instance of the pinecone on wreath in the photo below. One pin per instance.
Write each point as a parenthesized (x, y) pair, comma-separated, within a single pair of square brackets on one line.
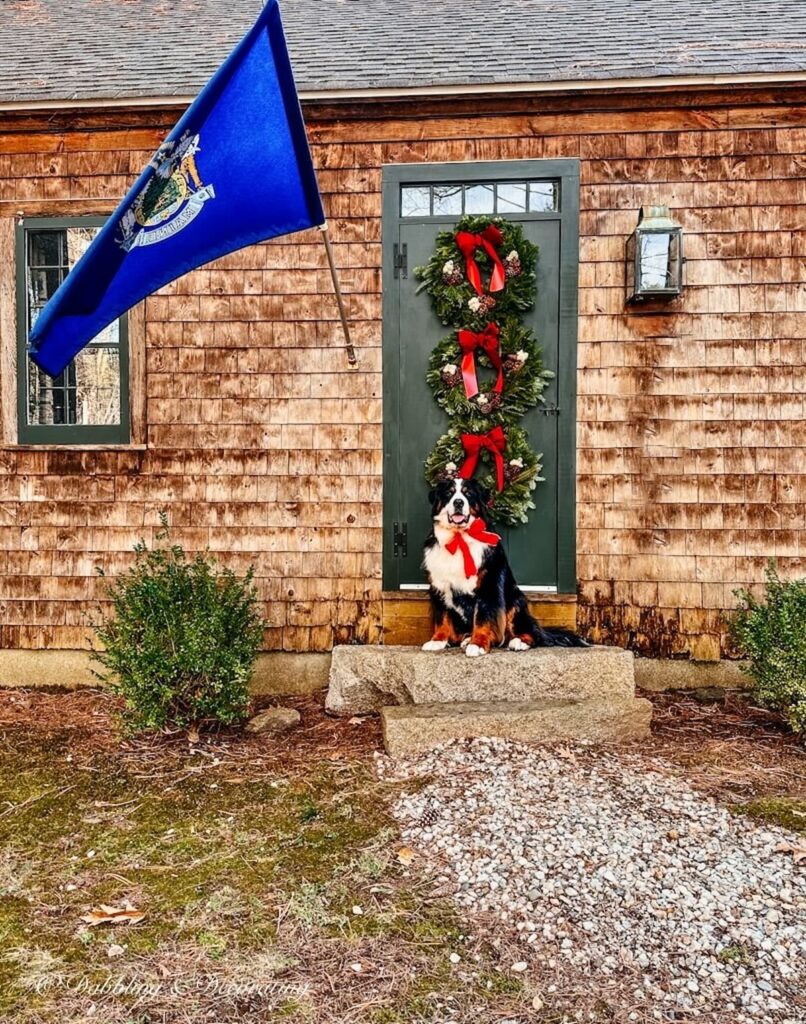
[(512, 264), (451, 274), (448, 471), (451, 375), (515, 361), (513, 469), (488, 402)]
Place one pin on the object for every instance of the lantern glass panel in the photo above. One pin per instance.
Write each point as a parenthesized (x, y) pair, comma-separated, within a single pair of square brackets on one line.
[(659, 260)]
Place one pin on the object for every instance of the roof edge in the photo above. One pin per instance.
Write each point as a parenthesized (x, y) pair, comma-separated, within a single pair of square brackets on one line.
[(405, 92)]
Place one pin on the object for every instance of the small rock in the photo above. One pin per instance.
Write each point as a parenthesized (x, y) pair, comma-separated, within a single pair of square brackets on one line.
[(273, 721)]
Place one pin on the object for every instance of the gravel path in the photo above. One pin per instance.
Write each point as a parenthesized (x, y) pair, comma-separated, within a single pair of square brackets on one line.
[(616, 876)]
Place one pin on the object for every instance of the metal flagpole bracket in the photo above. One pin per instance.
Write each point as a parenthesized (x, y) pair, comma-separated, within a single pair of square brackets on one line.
[(351, 356)]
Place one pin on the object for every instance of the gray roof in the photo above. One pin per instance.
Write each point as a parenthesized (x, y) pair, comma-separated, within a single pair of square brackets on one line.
[(105, 49)]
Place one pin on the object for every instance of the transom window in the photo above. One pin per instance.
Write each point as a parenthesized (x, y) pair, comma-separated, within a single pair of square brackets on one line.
[(88, 401), (493, 197)]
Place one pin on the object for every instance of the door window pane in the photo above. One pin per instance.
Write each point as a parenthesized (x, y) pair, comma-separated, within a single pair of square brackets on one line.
[(542, 196), (480, 199), (415, 201), (447, 200), (512, 197)]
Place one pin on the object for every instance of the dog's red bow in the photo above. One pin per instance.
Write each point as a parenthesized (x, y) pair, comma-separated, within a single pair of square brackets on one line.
[(478, 531), (487, 341), (489, 240), (495, 441)]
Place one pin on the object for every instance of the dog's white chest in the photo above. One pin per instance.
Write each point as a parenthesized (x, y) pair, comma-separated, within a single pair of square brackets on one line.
[(447, 571)]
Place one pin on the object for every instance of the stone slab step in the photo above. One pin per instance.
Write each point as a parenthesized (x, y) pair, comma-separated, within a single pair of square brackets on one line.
[(417, 728), (367, 678)]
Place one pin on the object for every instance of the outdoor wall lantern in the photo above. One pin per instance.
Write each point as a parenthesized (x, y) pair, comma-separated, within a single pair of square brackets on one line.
[(654, 256)]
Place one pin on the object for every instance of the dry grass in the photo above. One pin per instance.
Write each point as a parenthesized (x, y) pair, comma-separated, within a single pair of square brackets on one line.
[(248, 856)]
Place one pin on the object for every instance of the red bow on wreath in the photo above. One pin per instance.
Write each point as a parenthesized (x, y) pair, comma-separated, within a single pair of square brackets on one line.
[(489, 240), (487, 341), (494, 441), (478, 531)]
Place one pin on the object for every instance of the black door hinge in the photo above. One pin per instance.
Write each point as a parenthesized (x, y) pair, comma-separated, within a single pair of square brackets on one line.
[(550, 410), (401, 540), (400, 260)]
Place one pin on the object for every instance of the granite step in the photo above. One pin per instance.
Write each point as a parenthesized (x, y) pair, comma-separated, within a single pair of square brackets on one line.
[(416, 728), (367, 678)]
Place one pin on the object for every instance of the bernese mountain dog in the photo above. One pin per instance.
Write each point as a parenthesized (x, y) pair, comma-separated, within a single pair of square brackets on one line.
[(474, 597)]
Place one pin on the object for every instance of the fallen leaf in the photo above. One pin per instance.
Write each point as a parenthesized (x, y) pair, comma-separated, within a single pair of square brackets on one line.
[(357, 967), (356, 720), (566, 753), (193, 735), (115, 950), (405, 855), (113, 915), (797, 849)]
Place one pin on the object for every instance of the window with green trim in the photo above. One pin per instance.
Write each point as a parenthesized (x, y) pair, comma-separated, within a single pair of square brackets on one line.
[(89, 402)]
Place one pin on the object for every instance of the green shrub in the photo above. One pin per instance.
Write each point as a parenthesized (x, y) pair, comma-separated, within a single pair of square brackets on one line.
[(772, 633), (182, 639)]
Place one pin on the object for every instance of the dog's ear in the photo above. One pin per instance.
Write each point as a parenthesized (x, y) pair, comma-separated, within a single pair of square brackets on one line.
[(432, 495), (481, 496)]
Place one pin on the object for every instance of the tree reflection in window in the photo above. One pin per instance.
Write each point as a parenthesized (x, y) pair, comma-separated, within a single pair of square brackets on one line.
[(88, 391)]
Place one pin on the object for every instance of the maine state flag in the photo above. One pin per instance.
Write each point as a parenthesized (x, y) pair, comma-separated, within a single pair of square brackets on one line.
[(235, 170)]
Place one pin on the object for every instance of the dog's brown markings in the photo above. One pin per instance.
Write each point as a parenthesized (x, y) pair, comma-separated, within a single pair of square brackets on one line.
[(489, 634), (444, 631)]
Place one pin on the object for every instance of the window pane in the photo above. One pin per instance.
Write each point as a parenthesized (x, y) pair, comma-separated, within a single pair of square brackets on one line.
[(447, 200), (415, 201), (480, 199), (45, 248), (96, 397), (88, 392), (512, 197), (542, 196)]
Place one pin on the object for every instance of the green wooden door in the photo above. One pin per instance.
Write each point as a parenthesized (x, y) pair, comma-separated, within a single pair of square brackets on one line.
[(419, 202)]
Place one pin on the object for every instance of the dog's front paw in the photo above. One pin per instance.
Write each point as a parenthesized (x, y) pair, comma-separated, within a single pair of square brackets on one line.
[(465, 642), (474, 651), (516, 644), (435, 645)]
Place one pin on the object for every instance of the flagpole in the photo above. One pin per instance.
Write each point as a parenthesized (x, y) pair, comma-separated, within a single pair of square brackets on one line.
[(351, 356)]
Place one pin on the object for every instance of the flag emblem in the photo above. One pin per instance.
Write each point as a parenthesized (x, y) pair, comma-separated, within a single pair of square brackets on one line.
[(170, 200)]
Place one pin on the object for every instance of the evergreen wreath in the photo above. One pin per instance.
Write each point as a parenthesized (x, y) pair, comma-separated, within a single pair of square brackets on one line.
[(445, 277), (481, 279), (524, 379), (522, 467)]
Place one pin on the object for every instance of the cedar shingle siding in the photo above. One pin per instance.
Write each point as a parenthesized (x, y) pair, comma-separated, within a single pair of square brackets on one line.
[(264, 446)]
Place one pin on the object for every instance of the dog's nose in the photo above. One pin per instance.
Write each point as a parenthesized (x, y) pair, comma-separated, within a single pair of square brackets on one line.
[(459, 504)]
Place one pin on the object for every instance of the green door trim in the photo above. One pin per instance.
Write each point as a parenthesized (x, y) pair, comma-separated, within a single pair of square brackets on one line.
[(567, 173)]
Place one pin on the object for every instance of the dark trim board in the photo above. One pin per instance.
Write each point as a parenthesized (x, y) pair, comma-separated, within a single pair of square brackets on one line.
[(567, 172)]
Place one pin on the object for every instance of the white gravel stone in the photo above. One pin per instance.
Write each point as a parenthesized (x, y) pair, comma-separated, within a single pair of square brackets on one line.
[(620, 870)]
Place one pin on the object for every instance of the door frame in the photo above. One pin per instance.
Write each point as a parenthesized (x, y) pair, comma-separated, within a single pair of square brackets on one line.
[(567, 173)]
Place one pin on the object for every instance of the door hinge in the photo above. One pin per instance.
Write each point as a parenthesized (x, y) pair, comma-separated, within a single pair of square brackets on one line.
[(550, 410), (401, 540), (400, 260)]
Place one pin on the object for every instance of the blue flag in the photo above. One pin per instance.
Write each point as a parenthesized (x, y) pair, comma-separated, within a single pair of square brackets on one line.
[(235, 170)]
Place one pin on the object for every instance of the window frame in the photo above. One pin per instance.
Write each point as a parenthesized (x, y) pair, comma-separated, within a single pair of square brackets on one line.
[(63, 433)]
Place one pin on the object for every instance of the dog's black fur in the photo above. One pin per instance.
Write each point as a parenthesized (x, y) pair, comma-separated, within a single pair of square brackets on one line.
[(490, 611)]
